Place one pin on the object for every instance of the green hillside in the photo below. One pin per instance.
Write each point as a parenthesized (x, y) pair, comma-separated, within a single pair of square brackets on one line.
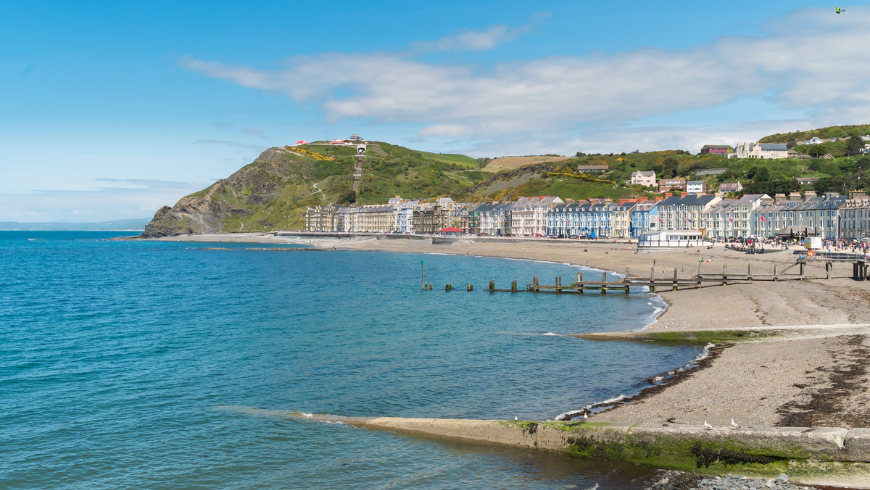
[(274, 191), (824, 133)]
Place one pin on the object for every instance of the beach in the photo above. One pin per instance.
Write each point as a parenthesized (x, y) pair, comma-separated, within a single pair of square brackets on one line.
[(788, 381)]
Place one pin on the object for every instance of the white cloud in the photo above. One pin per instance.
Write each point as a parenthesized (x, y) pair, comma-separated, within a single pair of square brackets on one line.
[(473, 40), (811, 61)]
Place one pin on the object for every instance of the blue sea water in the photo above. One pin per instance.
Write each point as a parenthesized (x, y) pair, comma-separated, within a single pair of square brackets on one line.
[(131, 364)]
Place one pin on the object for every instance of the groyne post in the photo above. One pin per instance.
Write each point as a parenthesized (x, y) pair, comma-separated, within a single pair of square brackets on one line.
[(491, 286), (447, 287), (749, 271), (603, 281), (470, 287), (652, 280), (675, 280), (802, 264), (828, 267), (776, 272), (513, 285), (724, 275)]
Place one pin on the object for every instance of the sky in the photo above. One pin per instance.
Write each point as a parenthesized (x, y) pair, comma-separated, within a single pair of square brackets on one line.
[(110, 110)]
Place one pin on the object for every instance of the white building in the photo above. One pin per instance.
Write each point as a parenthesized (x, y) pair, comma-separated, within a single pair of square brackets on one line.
[(695, 187), (529, 215), (647, 178), (760, 150)]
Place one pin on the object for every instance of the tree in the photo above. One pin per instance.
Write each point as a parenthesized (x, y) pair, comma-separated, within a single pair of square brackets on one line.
[(762, 175), (817, 150), (791, 143), (579, 154), (854, 145), (670, 167)]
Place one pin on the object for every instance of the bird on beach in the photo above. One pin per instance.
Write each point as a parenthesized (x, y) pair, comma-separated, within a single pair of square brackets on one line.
[(585, 416), (733, 423), (707, 426), (516, 418)]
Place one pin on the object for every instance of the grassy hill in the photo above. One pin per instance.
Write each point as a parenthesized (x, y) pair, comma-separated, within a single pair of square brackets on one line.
[(273, 191), (824, 133)]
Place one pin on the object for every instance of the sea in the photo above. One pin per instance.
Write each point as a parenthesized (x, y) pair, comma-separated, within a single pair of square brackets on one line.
[(165, 365)]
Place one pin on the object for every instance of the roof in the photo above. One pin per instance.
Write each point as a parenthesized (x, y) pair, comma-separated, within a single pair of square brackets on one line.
[(729, 185), (722, 147), (593, 167), (695, 182), (644, 173), (773, 146), (711, 171), (688, 200)]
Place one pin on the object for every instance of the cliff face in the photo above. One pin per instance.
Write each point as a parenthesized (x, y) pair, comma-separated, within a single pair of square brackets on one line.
[(224, 206)]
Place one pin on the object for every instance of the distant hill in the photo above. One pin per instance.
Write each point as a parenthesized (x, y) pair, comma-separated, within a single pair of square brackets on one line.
[(824, 133), (273, 192), (117, 225)]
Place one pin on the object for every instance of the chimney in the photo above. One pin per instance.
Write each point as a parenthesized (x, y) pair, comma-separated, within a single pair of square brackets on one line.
[(780, 197), (794, 196), (809, 195), (857, 195), (623, 201), (659, 198), (607, 200)]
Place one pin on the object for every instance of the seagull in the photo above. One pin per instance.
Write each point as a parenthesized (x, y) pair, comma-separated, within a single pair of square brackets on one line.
[(516, 418), (585, 416), (733, 423), (707, 426)]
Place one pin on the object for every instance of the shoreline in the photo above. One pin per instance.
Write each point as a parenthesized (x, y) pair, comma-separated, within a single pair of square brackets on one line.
[(710, 310), (790, 351)]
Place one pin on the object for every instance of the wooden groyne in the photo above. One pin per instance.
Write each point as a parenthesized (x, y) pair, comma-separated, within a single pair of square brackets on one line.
[(653, 282)]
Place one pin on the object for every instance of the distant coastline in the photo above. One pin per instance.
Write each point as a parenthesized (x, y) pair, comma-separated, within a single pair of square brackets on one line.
[(116, 225)]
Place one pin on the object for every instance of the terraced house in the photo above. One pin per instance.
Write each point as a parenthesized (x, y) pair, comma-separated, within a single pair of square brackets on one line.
[(683, 213), (529, 215), (644, 217), (855, 217), (733, 218), (807, 215)]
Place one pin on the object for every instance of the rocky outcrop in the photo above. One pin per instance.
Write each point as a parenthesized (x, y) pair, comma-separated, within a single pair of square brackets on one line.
[(235, 197)]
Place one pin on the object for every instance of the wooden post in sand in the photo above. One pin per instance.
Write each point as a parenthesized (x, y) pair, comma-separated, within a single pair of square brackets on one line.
[(603, 280), (749, 271), (775, 272), (724, 275), (652, 280), (675, 280)]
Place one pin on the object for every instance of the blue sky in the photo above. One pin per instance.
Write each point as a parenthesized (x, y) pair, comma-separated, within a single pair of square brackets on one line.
[(110, 110)]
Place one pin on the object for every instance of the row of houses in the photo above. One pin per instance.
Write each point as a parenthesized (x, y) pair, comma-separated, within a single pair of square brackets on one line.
[(755, 215), (525, 217)]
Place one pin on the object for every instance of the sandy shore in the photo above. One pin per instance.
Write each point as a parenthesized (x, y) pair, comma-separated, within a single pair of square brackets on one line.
[(809, 382)]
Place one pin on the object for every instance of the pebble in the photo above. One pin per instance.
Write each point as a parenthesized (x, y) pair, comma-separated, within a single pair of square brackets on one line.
[(685, 481)]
